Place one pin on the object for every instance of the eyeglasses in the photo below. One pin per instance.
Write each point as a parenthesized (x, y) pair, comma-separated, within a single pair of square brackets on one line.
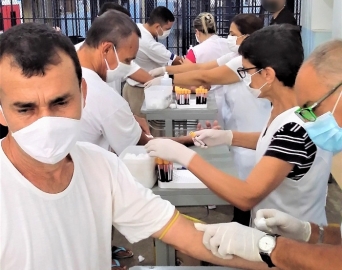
[(307, 114), (243, 71)]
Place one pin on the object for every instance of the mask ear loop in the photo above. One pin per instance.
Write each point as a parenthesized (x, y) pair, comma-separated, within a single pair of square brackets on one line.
[(117, 58), (339, 97)]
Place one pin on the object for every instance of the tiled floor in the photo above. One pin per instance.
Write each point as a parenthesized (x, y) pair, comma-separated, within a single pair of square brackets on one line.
[(220, 214)]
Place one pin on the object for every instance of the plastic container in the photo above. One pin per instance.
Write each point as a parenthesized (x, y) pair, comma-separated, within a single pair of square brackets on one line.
[(158, 97), (166, 80), (143, 170)]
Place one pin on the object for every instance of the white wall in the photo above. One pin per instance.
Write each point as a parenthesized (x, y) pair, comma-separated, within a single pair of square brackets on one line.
[(321, 21)]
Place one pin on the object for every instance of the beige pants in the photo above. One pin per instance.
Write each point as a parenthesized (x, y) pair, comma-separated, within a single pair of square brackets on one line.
[(135, 97)]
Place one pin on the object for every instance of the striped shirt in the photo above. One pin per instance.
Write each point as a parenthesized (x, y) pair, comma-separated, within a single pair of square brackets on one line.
[(292, 144)]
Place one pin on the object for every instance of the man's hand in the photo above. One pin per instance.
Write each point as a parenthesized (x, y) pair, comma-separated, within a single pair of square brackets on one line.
[(143, 124), (281, 223), (157, 72), (209, 126), (155, 81), (211, 137), (227, 239), (170, 150)]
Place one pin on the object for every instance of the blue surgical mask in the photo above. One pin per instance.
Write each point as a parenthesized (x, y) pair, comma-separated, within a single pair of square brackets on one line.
[(325, 132)]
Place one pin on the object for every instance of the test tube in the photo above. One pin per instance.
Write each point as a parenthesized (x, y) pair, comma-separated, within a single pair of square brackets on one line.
[(177, 96), (197, 101), (205, 96), (161, 174), (189, 94), (167, 171)]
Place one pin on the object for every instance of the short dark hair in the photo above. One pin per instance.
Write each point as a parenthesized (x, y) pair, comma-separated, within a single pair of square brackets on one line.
[(161, 15), (113, 6), (112, 26), (277, 46), (35, 46), (247, 24)]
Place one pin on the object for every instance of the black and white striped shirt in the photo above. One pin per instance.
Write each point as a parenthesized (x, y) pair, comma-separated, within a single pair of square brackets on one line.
[(292, 144)]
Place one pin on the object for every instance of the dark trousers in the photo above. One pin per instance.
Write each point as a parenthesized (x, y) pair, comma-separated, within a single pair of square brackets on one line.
[(242, 217)]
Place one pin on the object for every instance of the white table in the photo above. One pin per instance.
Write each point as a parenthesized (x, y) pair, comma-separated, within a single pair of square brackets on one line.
[(222, 159)]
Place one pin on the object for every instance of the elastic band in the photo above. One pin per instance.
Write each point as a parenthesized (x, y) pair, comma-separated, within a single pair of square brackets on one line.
[(338, 100), (169, 226), (193, 219)]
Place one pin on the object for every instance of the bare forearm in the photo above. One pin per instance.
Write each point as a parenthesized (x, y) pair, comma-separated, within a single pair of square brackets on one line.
[(245, 139), (332, 235), (141, 76), (185, 238), (238, 193), (289, 255), (185, 140), (181, 68)]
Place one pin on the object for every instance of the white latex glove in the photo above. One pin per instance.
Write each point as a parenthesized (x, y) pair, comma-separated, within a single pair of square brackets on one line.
[(157, 72), (155, 81), (281, 223), (212, 137), (170, 150), (227, 239)]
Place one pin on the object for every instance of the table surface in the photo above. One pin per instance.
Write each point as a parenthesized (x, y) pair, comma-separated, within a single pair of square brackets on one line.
[(182, 114), (218, 156), (180, 268)]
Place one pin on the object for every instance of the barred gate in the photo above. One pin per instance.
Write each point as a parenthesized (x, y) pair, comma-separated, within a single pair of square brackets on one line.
[(74, 17)]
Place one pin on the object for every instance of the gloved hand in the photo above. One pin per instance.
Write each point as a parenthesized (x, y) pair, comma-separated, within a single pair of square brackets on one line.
[(212, 137), (170, 150), (155, 81), (284, 224), (208, 125), (157, 72), (227, 239)]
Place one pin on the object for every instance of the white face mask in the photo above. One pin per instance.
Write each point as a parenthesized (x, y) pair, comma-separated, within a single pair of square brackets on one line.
[(248, 80), (119, 73), (232, 43), (49, 139), (165, 34)]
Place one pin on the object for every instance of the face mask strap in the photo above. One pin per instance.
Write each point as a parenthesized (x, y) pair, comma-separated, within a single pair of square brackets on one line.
[(338, 100)]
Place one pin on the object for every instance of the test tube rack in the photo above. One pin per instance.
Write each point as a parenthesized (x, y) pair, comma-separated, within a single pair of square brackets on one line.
[(185, 100)]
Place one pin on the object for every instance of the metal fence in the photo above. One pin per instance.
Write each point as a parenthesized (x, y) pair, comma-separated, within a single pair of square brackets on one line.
[(74, 17)]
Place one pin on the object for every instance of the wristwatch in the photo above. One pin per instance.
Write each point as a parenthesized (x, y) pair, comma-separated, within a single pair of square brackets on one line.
[(267, 244)]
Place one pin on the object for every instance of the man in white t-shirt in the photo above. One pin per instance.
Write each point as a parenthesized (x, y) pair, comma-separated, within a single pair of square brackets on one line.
[(58, 198), (136, 72), (111, 45), (151, 53)]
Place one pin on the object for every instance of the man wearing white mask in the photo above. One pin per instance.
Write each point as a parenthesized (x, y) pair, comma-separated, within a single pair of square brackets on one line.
[(111, 44), (151, 53), (59, 198), (135, 72), (292, 243)]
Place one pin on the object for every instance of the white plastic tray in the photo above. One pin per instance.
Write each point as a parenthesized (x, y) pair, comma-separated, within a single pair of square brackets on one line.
[(192, 105), (182, 179)]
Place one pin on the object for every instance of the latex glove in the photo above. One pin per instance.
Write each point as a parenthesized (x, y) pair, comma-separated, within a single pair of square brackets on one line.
[(212, 137), (155, 81), (170, 150), (227, 239), (208, 125), (281, 223), (157, 72)]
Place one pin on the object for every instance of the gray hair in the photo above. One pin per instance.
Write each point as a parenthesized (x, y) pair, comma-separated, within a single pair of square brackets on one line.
[(205, 23), (112, 26), (326, 59)]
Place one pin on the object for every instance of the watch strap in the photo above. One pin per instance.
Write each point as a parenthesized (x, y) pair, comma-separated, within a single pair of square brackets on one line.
[(267, 257)]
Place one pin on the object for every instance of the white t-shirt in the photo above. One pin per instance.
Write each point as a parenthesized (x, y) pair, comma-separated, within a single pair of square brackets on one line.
[(107, 120), (116, 85), (72, 229), (151, 54)]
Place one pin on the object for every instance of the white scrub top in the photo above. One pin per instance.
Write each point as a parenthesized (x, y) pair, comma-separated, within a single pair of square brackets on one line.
[(209, 50), (151, 54), (245, 113), (116, 85), (107, 119), (305, 198)]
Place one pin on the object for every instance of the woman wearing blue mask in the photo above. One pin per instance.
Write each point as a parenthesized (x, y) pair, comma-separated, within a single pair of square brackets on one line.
[(291, 172)]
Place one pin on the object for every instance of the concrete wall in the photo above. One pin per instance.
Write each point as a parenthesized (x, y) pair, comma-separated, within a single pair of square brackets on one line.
[(321, 21)]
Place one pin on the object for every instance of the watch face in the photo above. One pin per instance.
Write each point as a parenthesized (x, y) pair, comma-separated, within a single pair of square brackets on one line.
[(267, 243)]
